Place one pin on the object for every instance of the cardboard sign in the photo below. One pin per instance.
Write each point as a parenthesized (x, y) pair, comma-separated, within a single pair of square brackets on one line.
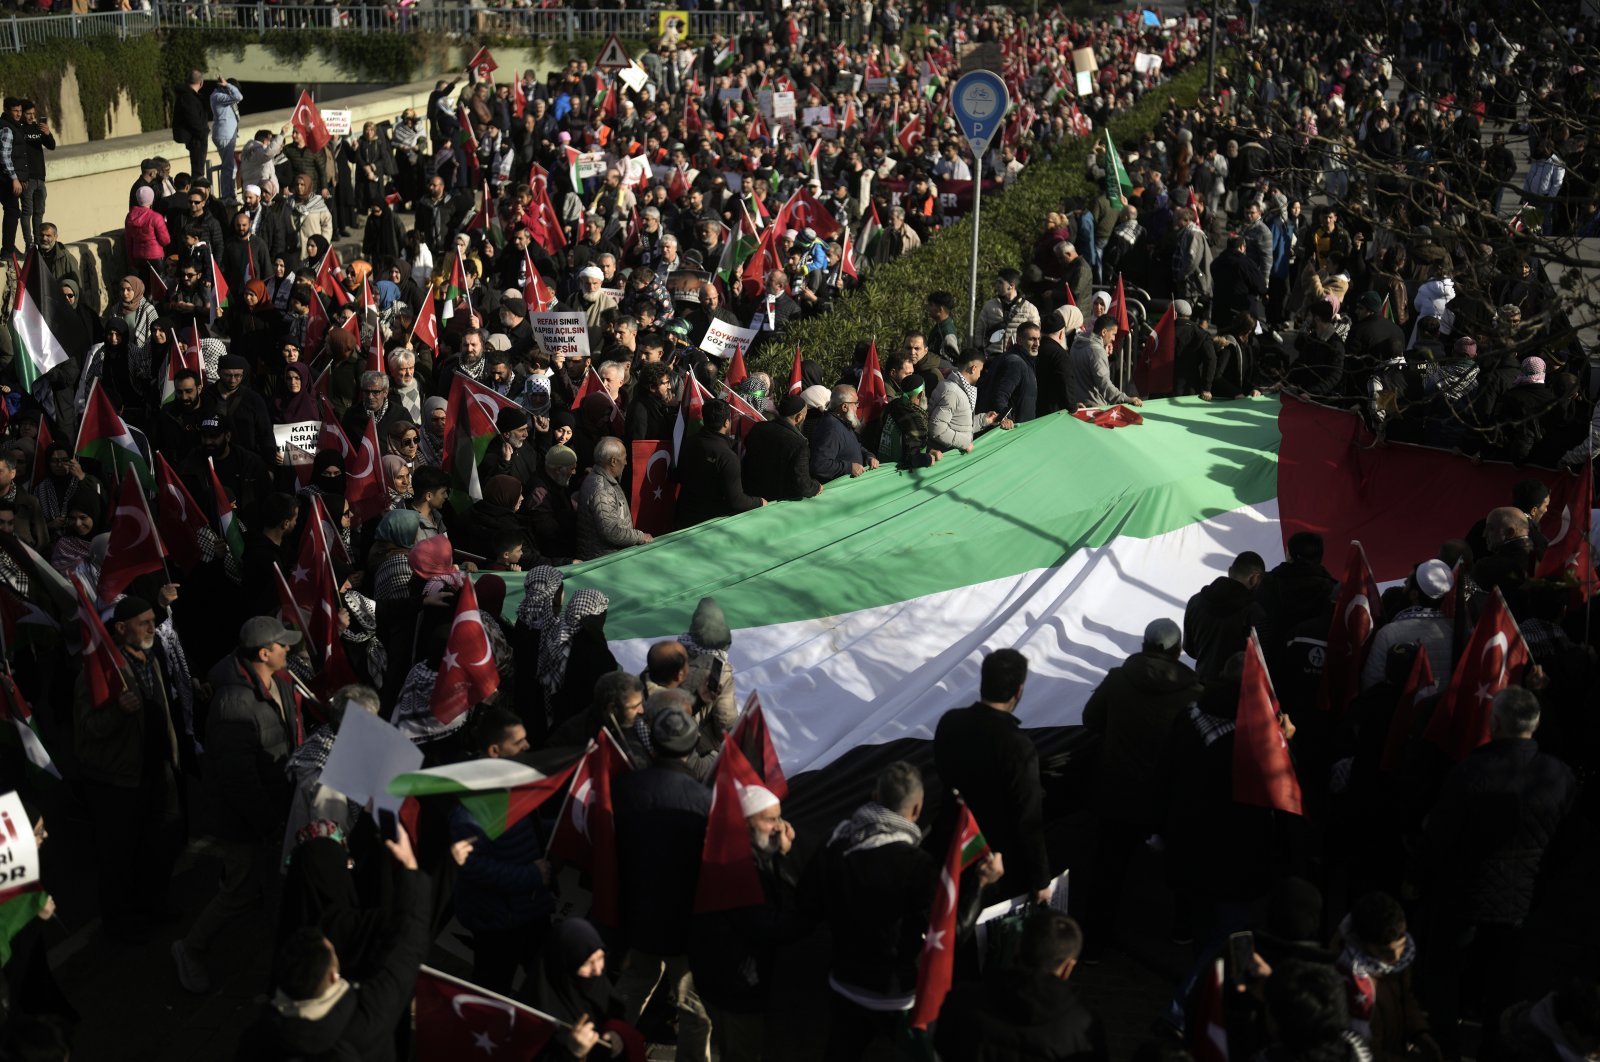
[(1083, 59), (367, 753), (728, 95), (591, 164), (19, 853), (561, 334), (1146, 63), (338, 122), (878, 86), (723, 340), (633, 77), (783, 106)]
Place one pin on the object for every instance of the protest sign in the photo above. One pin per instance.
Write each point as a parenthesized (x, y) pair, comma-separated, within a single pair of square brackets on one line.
[(724, 340), (19, 853), (1146, 63), (783, 106), (591, 164), (337, 122), (561, 334), (297, 437), (367, 753), (817, 116)]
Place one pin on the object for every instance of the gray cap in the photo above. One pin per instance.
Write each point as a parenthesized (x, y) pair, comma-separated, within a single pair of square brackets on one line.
[(674, 733), (259, 632), (1163, 634), (1182, 308)]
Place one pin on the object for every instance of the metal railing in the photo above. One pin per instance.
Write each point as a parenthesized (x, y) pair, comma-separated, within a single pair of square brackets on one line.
[(536, 24)]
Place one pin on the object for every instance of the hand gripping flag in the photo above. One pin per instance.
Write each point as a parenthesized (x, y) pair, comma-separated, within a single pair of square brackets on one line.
[(936, 966), (1263, 773)]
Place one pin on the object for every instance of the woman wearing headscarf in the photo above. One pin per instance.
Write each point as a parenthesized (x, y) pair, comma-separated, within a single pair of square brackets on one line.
[(72, 294), (64, 480), (1520, 412), (132, 308), (575, 654), (254, 326), (571, 983), (388, 560), (144, 233), (316, 248), (383, 237), (434, 412), (495, 516), (398, 476), (77, 532), (538, 614), (295, 400)]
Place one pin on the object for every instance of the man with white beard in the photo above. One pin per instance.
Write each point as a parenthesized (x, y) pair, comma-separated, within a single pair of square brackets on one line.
[(404, 390), (590, 301), (836, 448)]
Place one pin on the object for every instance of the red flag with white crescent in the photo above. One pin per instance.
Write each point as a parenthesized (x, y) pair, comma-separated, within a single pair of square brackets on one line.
[(135, 547), (308, 122), (1495, 657), (467, 673), (585, 830), (178, 516)]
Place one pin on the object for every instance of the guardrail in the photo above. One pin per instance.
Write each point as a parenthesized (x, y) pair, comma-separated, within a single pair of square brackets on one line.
[(542, 24)]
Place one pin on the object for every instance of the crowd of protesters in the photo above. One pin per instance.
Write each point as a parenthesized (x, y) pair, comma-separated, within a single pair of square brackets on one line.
[(477, 205)]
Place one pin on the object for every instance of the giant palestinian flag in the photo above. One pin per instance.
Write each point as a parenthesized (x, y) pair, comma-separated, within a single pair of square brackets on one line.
[(863, 614)]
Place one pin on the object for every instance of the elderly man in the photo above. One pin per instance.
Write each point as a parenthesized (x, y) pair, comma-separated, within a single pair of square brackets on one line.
[(733, 954), (593, 303), (1090, 370), (374, 407), (404, 391), (1421, 621), (836, 449), (605, 522)]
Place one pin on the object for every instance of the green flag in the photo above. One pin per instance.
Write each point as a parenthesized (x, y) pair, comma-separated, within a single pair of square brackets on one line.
[(1117, 183)]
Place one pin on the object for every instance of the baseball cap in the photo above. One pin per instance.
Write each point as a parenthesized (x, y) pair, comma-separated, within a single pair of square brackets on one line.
[(259, 632)]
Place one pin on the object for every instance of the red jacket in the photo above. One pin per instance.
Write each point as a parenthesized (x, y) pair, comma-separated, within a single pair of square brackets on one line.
[(145, 234)]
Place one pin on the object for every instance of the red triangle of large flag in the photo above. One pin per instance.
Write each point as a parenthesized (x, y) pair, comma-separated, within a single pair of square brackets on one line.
[(467, 673), (102, 662), (1263, 773), (1350, 634), (585, 830), (179, 518), (871, 393), (307, 121), (134, 548), (1495, 657), (755, 741), (728, 877)]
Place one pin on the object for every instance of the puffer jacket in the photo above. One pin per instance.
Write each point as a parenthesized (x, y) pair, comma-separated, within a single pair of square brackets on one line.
[(1486, 835), (605, 524), (144, 234), (501, 886)]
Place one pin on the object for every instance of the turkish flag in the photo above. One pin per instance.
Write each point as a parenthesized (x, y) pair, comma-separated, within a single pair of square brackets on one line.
[(728, 877), (737, 373), (1569, 553), (847, 258), (1350, 635), (871, 394), (426, 326), (1495, 657), (1263, 773), (1420, 687), (467, 674), (330, 276), (308, 122), (1118, 416), (936, 964), (585, 832), (456, 1019), (315, 586), (805, 211), (364, 487), (677, 184), (482, 66), (134, 548), (910, 136), (178, 517), (1119, 308), (1153, 375), (102, 662), (655, 493), (536, 293), (755, 741), (592, 384), (316, 327), (795, 383)]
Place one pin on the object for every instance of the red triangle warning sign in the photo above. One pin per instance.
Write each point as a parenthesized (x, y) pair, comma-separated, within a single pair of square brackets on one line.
[(613, 56)]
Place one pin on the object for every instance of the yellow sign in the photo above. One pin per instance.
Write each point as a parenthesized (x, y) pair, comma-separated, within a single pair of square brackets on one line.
[(673, 25)]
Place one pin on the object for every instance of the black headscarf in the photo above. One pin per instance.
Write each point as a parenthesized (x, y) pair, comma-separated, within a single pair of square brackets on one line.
[(319, 890), (560, 992)]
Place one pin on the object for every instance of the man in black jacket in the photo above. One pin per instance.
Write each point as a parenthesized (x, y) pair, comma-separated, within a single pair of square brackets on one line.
[(981, 754), (191, 121), (874, 884), (708, 473), (316, 1013), (1052, 368), (1237, 284), (777, 458), (836, 449), (1025, 1011), (1217, 620), (661, 815), (1485, 842)]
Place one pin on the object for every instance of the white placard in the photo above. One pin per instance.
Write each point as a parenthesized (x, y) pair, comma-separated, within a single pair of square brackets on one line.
[(338, 122), (1058, 902), (633, 77), (19, 854), (764, 103), (564, 334), (591, 164), (367, 753), (1146, 63), (725, 340), (783, 106), (817, 116), (728, 95), (636, 170), (1085, 82), (298, 437), (615, 293)]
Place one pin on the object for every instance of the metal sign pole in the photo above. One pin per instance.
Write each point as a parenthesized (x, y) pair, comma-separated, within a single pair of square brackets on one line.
[(977, 208), (979, 101)]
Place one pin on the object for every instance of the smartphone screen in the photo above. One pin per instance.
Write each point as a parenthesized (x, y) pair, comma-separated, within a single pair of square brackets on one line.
[(1241, 956), (388, 827)]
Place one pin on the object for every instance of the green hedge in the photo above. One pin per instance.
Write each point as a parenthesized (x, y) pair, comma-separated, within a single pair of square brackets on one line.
[(105, 66), (890, 302)]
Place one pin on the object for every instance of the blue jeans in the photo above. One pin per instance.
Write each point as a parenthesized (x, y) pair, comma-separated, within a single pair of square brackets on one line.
[(225, 170)]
